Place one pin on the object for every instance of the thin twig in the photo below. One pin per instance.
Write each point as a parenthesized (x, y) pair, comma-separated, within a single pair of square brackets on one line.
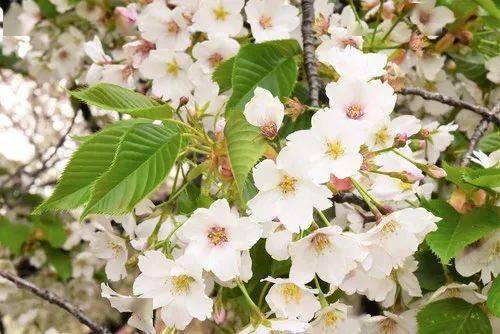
[(478, 133), (56, 300), (483, 111), (308, 43)]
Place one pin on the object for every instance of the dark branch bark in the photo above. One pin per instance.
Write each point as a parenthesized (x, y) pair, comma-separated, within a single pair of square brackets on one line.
[(483, 111), (351, 199), (56, 300), (478, 133), (308, 42)]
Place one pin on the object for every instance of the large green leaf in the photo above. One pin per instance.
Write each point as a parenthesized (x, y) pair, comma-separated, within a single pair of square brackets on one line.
[(90, 161), (472, 66), (456, 231), (493, 301), (270, 65), (453, 316), (116, 98), (13, 236), (490, 6), (223, 75), (484, 177), (490, 143), (430, 273), (143, 159), (245, 146), (60, 260)]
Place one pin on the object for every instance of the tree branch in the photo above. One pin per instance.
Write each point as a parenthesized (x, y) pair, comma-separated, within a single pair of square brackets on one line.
[(483, 111), (308, 43), (56, 300), (478, 133)]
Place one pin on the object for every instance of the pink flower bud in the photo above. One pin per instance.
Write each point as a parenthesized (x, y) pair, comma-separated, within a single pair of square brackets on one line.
[(436, 172), (220, 316)]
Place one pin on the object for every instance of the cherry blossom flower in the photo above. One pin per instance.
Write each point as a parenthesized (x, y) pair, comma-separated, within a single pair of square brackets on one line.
[(106, 245), (439, 139), (335, 318), (493, 65), (265, 111), (291, 300), (141, 308), (176, 286), (330, 149), (216, 236), (354, 64), (429, 19), (219, 17), (482, 256), (271, 20), (390, 323), (468, 292), (278, 239), (396, 237), (277, 325), (486, 161), (168, 70), (384, 132), (211, 53), (327, 252), (163, 26), (286, 192), (378, 289), (363, 102)]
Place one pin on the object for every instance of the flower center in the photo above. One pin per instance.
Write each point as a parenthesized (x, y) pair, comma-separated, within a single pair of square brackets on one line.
[(215, 60), (220, 13), (390, 227), (349, 42), (335, 149), (217, 235), (404, 185), (173, 68), (287, 184), (453, 292), (173, 27), (269, 130), (381, 136), (265, 22), (494, 251), (181, 284), (63, 54), (291, 293), (354, 111), (387, 325), (331, 318), (319, 242), (424, 17)]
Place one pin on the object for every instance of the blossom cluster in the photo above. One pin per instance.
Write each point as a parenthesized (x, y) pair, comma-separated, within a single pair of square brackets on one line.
[(364, 140)]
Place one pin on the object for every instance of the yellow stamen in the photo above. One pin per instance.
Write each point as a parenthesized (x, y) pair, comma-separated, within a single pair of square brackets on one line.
[(354, 111), (215, 60), (173, 27), (217, 235), (181, 284), (287, 184), (390, 227), (291, 293), (381, 136), (220, 13), (331, 318), (404, 185), (265, 22), (173, 68), (335, 149), (320, 241)]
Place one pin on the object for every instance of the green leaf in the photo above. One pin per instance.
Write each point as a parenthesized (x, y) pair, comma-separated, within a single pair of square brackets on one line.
[(122, 100), (223, 75), (484, 177), (61, 261), (453, 316), (245, 146), (270, 65), (456, 231), (143, 159), (490, 143), (90, 161), (455, 174), (13, 236), (52, 229), (472, 66), (188, 199), (430, 273), (493, 301), (490, 7), (47, 8)]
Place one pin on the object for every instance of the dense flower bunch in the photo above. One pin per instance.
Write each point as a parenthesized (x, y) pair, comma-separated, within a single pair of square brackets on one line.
[(232, 195)]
